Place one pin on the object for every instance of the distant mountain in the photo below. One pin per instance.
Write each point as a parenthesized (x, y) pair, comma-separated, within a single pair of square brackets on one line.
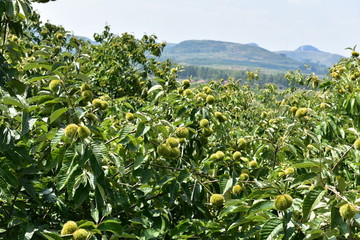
[(231, 55), (311, 54), (87, 39), (307, 48), (170, 45), (253, 44)]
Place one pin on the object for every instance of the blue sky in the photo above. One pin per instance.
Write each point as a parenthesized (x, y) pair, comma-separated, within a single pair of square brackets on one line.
[(330, 25)]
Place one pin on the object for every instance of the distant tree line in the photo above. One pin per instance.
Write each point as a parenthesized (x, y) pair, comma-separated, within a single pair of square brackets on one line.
[(207, 74)]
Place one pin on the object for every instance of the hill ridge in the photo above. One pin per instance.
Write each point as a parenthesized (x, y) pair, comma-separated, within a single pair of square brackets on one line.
[(223, 54), (307, 48)]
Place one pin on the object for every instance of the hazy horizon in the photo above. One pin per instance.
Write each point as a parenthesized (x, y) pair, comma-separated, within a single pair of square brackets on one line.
[(328, 25)]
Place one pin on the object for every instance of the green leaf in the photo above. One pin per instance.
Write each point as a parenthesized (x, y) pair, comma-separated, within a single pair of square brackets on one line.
[(146, 175), (180, 228), (68, 167), (57, 138), (139, 160), (228, 185), (151, 234), (358, 98), (30, 231), (142, 116), (311, 200), (196, 193), (225, 183), (181, 111), (125, 131), (25, 126), (7, 138), (86, 224), (57, 65), (26, 183), (83, 77), (26, 8), (12, 101), (94, 212), (111, 226), (80, 76), (142, 129), (16, 86), (99, 150), (292, 149), (56, 114), (36, 79), (298, 142), (160, 94), (51, 235), (305, 165), (154, 88), (233, 209), (303, 177), (128, 105), (261, 206), (270, 229), (184, 174), (31, 66), (337, 222), (8, 175), (5, 193)]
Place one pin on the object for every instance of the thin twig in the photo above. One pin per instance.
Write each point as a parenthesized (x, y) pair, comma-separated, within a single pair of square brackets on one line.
[(333, 189), (342, 157), (202, 184), (212, 181), (111, 140), (275, 155)]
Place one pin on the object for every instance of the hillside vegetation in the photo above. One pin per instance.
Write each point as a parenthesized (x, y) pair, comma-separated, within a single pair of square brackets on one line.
[(238, 56), (102, 142)]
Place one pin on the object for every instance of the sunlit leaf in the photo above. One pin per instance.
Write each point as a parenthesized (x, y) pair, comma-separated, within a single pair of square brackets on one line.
[(311, 200), (271, 229)]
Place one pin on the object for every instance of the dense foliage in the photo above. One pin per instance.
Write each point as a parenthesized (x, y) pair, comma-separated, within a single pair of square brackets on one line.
[(101, 142)]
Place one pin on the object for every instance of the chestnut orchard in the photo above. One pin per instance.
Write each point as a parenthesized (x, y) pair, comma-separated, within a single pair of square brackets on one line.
[(100, 141)]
